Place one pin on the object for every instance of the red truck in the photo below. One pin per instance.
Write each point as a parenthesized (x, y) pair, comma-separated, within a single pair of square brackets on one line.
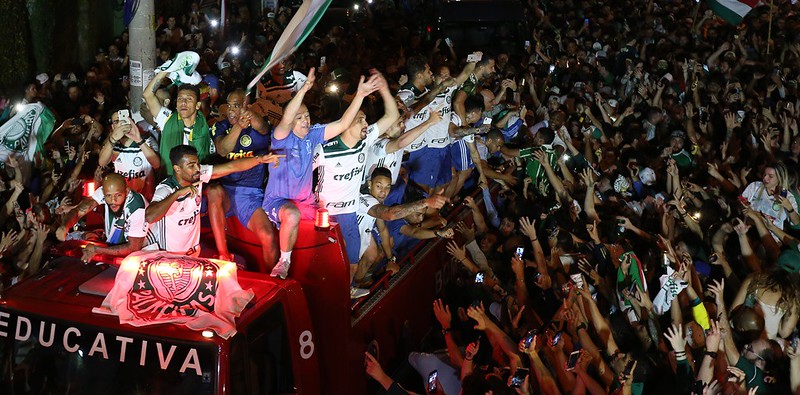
[(302, 335)]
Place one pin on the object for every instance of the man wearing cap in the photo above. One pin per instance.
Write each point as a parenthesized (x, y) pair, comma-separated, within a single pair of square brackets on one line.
[(188, 126), (677, 152)]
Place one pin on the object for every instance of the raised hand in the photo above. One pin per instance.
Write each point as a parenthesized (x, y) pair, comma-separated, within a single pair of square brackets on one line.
[(467, 232), (528, 227), (458, 252), (442, 313), (675, 337), (310, 81)]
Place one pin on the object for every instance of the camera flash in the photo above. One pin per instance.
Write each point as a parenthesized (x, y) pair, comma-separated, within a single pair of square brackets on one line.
[(235, 50), (214, 23)]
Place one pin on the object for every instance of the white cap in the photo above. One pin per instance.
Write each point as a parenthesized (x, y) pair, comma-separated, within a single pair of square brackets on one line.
[(613, 103)]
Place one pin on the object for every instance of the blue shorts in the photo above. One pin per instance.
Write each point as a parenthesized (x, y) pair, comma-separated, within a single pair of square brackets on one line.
[(348, 223), (396, 194), (244, 202), (460, 157), (430, 166), (272, 206)]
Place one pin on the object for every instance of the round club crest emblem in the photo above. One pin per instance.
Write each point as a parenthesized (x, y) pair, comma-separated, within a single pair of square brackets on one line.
[(245, 141), (137, 161)]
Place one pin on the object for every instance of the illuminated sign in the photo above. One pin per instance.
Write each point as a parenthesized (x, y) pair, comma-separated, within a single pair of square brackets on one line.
[(96, 344)]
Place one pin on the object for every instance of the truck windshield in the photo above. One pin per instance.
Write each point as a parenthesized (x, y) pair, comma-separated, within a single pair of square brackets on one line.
[(261, 363), (39, 355)]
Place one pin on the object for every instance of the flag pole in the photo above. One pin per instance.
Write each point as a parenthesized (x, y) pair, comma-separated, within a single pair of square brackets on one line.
[(769, 30)]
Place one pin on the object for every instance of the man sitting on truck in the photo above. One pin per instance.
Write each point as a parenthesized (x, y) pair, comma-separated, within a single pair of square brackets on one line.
[(289, 196), (340, 163), (372, 213), (175, 210), (125, 225), (242, 134)]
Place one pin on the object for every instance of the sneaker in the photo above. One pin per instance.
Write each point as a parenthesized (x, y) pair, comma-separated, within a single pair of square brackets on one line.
[(357, 293), (281, 270)]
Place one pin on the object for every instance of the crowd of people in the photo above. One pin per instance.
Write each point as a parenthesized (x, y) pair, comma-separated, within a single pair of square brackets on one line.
[(631, 176)]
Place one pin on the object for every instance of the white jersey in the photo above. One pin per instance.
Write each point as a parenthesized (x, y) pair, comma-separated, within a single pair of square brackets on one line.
[(133, 165), (377, 157), (437, 135), (456, 120), (340, 172), (179, 230), (366, 222), (129, 222)]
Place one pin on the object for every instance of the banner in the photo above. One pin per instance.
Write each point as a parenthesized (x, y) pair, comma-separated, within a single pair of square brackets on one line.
[(26, 132), (157, 287), (298, 29), (732, 11)]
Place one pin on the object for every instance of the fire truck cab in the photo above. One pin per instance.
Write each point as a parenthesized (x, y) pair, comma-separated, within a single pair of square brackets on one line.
[(302, 335)]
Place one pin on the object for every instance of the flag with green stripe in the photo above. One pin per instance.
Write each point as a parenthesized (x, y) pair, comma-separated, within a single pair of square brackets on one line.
[(298, 29), (25, 133), (732, 11)]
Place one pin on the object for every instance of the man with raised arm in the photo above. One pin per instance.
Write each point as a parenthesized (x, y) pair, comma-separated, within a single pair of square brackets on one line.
[(341, 162), (186, 127), (289, 196), (175, 210)]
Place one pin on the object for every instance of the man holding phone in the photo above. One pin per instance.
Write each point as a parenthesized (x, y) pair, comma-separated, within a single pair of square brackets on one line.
[(175, 210), (134, 157)]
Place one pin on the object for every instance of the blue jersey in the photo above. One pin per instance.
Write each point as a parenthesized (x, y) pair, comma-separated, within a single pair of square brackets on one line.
[(251, 143), (293, 176)]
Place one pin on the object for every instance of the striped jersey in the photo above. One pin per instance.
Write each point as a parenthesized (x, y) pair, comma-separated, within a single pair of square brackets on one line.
[(179, 230), (366, 222), (130, 222), (340, 172), (131, 163), (377, 157), (437, 135)]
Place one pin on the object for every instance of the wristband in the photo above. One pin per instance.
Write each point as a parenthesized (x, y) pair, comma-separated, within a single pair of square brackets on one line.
[(712, 354), (445, 331), (140, 143)]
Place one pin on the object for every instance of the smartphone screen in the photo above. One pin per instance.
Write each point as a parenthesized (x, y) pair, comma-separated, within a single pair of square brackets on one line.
[(519, 377), (487, 120), (479, 278), (432, 381), (629, 367), (573, 359), (529, 338), (520, 251)]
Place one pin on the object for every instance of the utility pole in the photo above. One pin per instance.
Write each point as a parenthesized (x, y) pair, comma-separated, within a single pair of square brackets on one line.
[(142, 51)]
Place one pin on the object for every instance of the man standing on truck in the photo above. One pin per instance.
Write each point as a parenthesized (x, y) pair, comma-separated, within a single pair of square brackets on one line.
[(289, 196), (341, 162), (242, 134), (125, 225), (429, 159), (175, 211)]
